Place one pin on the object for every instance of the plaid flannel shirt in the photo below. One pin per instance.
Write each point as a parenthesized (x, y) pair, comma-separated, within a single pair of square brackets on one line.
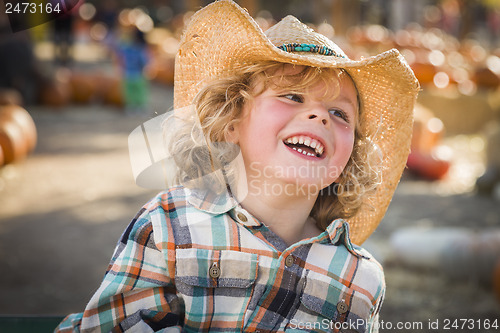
[(191, 261)]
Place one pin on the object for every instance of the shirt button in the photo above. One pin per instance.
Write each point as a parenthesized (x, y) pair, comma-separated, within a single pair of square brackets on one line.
[(289, 261), (342, 307), (214, 271), (240, 216)]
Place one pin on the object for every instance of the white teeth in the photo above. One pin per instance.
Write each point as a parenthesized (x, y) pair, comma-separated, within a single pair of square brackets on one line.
[(307, 141), (303, 151)]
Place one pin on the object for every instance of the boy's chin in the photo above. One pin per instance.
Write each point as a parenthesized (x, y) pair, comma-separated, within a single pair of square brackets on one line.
[(313, 183), (310, 185)]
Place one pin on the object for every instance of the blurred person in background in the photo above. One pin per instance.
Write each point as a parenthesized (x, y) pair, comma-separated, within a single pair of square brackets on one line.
[(62, 35), (132, 54)]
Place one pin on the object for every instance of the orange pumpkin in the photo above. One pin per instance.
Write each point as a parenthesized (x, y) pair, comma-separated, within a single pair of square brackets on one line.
[(13, 142), (427, 130), (486, 78), (101, 83), (54, 93), (83, 87), (112, 94), (424, 71), (24, 120), (2, 159), (427, 166)]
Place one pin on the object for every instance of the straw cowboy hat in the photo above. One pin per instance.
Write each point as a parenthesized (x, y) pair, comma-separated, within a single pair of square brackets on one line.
[(222, 36)]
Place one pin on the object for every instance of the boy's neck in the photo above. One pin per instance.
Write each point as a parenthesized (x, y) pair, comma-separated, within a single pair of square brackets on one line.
[(288, 217)]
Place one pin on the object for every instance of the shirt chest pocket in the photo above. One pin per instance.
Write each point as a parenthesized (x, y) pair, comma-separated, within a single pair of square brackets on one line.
[(216, 285), (329, 306)]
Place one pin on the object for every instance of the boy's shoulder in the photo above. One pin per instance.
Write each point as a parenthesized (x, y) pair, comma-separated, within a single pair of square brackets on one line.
[(370, 272), (365, 254), (370, 264)]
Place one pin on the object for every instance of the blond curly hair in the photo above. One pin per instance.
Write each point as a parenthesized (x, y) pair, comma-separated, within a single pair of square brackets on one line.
[(201, 149)]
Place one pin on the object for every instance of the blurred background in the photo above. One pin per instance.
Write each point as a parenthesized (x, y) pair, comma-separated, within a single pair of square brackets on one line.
[(73, 88)]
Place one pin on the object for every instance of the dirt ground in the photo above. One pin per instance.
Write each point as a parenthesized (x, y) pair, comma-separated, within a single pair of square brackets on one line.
[(63, 209)]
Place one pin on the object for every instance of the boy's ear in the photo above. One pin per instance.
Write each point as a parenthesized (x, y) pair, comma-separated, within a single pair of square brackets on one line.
[(232, 134)]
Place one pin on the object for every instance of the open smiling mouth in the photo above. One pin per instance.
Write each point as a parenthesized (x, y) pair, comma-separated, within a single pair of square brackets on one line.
[(305, 145)]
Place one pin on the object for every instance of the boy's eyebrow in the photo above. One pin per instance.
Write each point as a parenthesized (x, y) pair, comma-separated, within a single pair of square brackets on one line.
[(344, 99)]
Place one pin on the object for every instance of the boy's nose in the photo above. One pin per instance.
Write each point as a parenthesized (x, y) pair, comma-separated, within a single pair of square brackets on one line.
[(319, 115)]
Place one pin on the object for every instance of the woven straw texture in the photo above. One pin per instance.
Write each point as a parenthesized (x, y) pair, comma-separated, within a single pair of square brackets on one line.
[(222, 36)]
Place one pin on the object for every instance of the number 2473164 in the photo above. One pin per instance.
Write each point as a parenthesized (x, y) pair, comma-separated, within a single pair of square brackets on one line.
[(32, 8)]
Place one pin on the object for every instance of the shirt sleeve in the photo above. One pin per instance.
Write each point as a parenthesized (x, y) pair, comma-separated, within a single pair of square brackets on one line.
[(138, 292), (373, 321), (373, 279)]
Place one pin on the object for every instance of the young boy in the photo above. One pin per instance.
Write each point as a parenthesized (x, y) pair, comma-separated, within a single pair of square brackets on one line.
[(265, 245)]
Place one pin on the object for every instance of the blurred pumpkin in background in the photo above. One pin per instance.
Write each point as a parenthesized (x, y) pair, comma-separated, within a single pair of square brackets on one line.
[(12, 140), (54, 92), (83, 87), (2, 160), (23, 119), (428, 166), (111, 90), (424, 159), (424, 71), (428, 130), (486, 78)]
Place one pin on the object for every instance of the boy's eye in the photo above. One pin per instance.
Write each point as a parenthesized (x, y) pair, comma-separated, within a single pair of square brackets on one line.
[(294, 97), (339, 113)]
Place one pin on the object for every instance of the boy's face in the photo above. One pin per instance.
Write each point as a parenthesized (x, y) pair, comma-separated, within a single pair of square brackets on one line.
[(303, 139)]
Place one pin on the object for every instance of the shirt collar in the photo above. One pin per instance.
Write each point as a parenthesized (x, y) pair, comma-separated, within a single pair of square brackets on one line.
[(213, 203), (210, 202)]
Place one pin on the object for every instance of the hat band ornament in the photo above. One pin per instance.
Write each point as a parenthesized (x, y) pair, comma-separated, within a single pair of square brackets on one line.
[(323, 50)]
